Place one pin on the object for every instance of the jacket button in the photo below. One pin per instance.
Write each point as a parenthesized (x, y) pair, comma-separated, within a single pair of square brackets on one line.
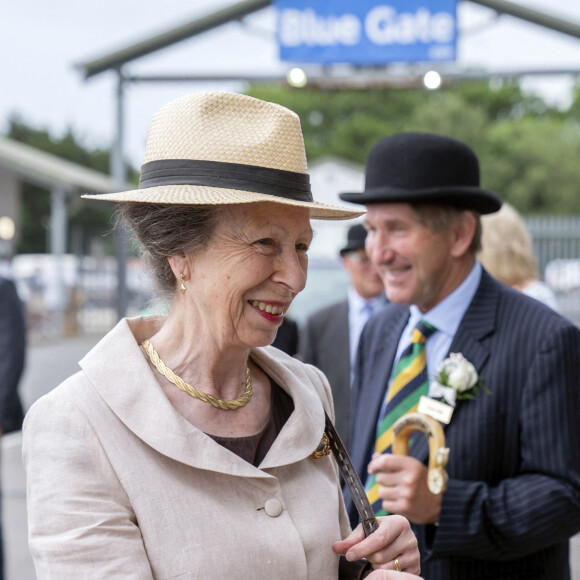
[(273, 507)]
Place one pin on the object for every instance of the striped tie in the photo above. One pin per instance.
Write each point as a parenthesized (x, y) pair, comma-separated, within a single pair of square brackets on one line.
[(409, 382)]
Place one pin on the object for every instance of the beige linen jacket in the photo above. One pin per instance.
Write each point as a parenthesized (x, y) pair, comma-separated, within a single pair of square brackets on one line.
[(120, 485)]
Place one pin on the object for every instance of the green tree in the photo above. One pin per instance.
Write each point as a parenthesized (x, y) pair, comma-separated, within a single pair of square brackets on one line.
[(343, 122), (34, 219), (534, 165), (528, 150), (84, 221), (449, 114)]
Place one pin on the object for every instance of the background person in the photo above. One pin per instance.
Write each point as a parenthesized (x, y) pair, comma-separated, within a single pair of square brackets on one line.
[(507, 253), (287, 336), (513, 497), (330, 337), (12, 358), (184, 446)]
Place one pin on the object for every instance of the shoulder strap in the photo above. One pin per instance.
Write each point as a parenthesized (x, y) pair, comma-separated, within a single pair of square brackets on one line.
[(347, 470), (353, 482)]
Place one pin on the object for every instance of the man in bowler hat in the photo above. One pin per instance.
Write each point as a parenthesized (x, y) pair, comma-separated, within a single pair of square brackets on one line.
[(330, 337), (513, 496)]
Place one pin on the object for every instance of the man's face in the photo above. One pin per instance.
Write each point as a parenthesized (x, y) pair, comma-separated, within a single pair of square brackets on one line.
[(363, 275), (417, 265)]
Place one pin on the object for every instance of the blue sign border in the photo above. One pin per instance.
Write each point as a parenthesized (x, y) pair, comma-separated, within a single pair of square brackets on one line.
[(367, 31)]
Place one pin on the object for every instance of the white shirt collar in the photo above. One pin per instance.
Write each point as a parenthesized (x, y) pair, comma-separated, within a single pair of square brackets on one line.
[(447, 315), (356, 302)]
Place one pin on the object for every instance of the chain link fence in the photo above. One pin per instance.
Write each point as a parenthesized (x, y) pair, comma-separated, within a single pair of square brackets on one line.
[(557, 249)]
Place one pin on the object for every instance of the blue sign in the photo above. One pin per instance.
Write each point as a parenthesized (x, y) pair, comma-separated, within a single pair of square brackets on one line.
[(366, 31)]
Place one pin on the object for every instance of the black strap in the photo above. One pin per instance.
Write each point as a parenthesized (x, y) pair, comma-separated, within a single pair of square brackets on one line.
[(278, 182), (353, 482)]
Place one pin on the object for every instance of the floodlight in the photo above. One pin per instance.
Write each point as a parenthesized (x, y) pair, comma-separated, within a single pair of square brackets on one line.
[(297, 78), (432, 80)]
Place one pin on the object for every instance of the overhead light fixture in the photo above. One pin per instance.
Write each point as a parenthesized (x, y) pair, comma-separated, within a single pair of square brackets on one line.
[(297, 78), (432, 80), (7, 228)]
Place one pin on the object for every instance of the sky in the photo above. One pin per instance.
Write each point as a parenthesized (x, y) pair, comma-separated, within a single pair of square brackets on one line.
[(42, 41)]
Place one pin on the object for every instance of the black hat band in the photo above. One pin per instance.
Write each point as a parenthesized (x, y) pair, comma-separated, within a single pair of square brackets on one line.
[(266, 180)]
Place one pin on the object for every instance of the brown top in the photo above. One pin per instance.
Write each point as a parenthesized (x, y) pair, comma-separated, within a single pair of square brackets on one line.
[(254, 448)]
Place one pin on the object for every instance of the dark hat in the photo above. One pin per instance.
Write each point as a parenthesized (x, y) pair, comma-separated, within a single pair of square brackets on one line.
[(356, 237), (424, 168)]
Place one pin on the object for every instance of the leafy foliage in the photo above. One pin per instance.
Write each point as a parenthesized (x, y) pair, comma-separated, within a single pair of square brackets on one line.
[(85, 222), (66, 147), (528, 151)]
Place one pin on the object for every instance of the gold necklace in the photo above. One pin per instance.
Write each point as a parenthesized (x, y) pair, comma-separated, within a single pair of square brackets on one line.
[(192, 391)]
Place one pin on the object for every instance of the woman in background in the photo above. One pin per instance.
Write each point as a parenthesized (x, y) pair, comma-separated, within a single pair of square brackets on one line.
[(508, 255)]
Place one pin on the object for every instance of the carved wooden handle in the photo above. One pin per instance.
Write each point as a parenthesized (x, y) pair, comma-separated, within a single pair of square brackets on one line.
[(438, 453)]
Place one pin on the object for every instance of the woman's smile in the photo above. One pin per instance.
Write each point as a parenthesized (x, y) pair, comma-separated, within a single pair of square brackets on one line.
[(271, 308)]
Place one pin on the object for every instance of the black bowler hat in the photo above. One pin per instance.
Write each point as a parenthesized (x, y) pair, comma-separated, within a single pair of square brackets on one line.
[(424, 168), (355, 239)]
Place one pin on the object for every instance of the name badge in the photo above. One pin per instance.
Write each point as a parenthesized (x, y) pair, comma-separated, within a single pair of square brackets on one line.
[(440, 411)]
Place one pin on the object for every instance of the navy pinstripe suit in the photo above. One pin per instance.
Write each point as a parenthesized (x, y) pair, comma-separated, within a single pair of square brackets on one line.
[(513, 498)]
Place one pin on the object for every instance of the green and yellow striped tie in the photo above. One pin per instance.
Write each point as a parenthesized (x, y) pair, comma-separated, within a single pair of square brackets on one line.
[(409, 381)]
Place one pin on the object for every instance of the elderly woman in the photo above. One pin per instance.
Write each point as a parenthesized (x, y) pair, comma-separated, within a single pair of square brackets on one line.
[(185, 446)]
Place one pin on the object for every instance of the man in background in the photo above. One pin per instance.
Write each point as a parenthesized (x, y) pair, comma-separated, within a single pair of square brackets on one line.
[(287, 337), (12, 349), (513, 496), (330, 338)]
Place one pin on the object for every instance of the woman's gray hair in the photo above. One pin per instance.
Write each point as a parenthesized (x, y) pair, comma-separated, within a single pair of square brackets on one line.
[(165, 230)]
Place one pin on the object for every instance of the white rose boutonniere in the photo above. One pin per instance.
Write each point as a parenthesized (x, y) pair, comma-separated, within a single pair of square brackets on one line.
[(456, 379)]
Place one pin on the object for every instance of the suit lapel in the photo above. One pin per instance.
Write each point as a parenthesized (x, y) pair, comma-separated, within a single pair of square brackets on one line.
[(385, 356), (378, 347), (477, 323)]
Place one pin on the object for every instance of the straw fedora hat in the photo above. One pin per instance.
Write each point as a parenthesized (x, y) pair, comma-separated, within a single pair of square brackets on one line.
[(218, 147)]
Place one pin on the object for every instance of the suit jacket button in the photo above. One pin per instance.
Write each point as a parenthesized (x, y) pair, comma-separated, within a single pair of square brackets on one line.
[(273, 507)]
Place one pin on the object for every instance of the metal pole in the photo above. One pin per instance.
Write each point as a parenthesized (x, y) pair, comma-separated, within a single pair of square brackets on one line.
[(533, 16), (118, 172), (58, 235)]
